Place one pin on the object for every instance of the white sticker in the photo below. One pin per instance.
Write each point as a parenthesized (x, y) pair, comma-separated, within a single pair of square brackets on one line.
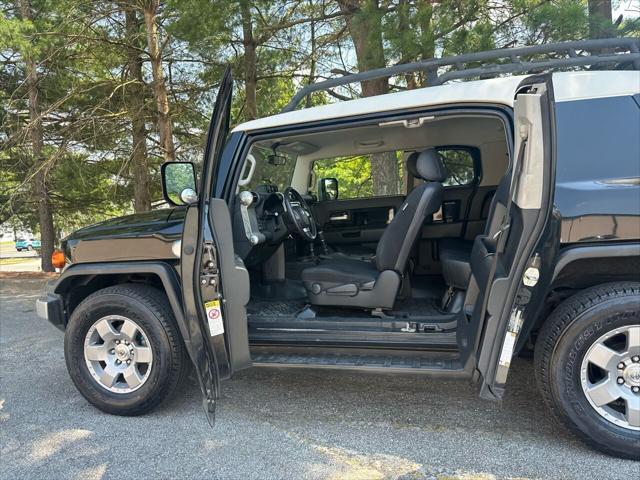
[(507, 349), (214, 317)]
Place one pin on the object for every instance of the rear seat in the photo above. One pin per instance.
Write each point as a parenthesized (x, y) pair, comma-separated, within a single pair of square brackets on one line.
[(455, 254)]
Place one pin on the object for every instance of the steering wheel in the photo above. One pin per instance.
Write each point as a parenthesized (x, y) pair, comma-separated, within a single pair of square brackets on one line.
[(298, 216)]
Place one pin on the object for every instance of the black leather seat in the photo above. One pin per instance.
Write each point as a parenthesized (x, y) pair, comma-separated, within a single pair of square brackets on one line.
[(455, 254), (375, 284)]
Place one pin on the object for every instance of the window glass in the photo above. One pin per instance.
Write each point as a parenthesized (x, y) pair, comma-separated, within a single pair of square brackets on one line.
[(459, 163), (365, 176), (267, 173)]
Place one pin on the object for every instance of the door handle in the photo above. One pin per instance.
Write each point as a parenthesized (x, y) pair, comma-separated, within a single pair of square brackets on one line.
[(341, 217)]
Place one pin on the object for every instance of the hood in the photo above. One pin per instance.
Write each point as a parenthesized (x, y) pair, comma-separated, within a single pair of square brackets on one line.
[(142, 236)]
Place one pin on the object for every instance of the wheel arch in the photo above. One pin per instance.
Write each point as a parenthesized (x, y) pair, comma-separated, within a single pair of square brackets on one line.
[(581, 267), (603, 263), (79, 281)]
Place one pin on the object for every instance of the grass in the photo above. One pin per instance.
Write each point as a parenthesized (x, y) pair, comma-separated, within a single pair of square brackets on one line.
[(15, 261)]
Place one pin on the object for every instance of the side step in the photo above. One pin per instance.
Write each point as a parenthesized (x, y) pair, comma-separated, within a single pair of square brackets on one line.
[(374, 362)]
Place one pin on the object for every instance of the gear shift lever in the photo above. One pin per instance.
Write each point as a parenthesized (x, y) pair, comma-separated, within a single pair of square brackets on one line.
[(322, 242)]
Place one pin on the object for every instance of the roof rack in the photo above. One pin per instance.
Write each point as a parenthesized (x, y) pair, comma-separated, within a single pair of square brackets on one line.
[(581, 53)]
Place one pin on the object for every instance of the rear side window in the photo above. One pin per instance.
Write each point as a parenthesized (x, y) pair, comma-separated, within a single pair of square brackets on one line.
[(461, 166), (357, 176)]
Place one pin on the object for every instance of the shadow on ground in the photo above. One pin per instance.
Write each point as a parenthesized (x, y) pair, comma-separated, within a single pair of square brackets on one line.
[(274, 423)]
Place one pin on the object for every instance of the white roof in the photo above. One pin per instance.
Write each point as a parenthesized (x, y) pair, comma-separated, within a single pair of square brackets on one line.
[(567, 86)]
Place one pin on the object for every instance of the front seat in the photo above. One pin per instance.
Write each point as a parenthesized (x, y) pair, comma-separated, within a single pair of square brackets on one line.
[(374, 284)]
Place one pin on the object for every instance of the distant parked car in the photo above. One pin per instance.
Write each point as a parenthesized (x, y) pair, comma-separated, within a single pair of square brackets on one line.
[(31, 244)]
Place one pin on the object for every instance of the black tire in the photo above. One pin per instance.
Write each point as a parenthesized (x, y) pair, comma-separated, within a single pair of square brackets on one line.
[(563, 341), (149, 308)]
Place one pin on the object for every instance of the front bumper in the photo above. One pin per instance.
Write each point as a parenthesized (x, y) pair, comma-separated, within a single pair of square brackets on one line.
[(49, 307)]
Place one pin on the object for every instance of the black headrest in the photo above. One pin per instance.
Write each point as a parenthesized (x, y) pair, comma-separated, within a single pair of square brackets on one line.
[(411, 164), (427, 165)]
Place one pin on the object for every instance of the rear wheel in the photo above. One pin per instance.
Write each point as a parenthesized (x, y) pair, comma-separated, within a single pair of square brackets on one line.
[(588, 366), (123, 350)]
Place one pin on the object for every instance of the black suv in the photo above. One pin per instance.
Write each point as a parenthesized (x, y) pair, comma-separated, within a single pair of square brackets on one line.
[(508, 220)]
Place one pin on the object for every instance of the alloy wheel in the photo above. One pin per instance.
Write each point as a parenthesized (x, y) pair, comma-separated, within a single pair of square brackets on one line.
[(610, 376), (118, 354)]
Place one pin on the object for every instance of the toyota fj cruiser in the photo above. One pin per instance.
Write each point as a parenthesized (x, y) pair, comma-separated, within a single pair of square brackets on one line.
[(509, 220)]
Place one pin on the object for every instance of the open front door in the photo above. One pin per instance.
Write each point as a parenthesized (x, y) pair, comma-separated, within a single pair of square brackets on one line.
[(215, 282), (507, 265)]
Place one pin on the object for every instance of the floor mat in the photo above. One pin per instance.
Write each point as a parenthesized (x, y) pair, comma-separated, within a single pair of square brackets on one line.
[(277, 308), (427, 286), (416, 307)]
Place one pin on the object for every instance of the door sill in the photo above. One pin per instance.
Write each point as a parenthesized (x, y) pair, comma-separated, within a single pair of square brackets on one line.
[(439, 341)]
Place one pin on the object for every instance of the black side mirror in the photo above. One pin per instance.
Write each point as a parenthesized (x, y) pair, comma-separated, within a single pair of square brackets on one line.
[(179, 183), (328, 189)]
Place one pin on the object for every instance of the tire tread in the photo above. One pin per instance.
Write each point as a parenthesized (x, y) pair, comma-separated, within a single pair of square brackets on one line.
[(155, 301), (551, 334)]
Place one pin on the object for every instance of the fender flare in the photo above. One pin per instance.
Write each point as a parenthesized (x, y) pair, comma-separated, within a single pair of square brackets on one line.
[(564, 259), (165, 272), (582, 252)]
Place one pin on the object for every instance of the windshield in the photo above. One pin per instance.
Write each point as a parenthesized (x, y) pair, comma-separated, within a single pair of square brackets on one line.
[(266, 171)]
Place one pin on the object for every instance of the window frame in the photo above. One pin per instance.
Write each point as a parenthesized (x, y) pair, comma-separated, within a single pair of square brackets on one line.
[(239, 142)]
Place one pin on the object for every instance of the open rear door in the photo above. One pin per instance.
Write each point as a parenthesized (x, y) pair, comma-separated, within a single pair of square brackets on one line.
[(215, 282), (507, 265)]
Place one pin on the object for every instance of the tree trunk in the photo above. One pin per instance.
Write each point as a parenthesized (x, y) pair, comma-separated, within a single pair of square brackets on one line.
[(364, 22), (40, 186), (250, 61), (139, 160), (165, 129), (600, 22), (312, 60)]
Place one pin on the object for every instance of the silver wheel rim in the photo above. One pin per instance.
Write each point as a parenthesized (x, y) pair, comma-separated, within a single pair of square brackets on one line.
[(610, 376), (118, 354)]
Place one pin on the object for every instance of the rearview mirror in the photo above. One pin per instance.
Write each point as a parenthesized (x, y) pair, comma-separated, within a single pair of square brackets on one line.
[(179, 183), (328, 189), (277, 160)]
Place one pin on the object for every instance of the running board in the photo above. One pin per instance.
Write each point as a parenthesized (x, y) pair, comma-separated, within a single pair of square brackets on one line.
[(361, 361)]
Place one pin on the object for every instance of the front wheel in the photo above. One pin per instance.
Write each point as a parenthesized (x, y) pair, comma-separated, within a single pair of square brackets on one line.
[(588, 366), (123, 350)]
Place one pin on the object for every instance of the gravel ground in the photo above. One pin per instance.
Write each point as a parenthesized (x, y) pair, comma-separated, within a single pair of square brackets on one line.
[(274, 423)]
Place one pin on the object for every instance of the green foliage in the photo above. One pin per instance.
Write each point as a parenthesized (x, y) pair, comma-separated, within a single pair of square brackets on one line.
[(354, 174), (80, 49)]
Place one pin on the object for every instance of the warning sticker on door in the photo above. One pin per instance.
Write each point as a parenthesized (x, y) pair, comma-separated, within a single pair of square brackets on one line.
[(214, 317)]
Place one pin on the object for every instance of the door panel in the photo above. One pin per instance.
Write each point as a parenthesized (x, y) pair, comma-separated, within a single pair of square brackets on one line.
[(356, 222), (235, 287), (498, 262), (207, 277)]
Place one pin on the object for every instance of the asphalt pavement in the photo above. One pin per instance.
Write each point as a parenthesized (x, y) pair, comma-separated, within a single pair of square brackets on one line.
[(275, 423)]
